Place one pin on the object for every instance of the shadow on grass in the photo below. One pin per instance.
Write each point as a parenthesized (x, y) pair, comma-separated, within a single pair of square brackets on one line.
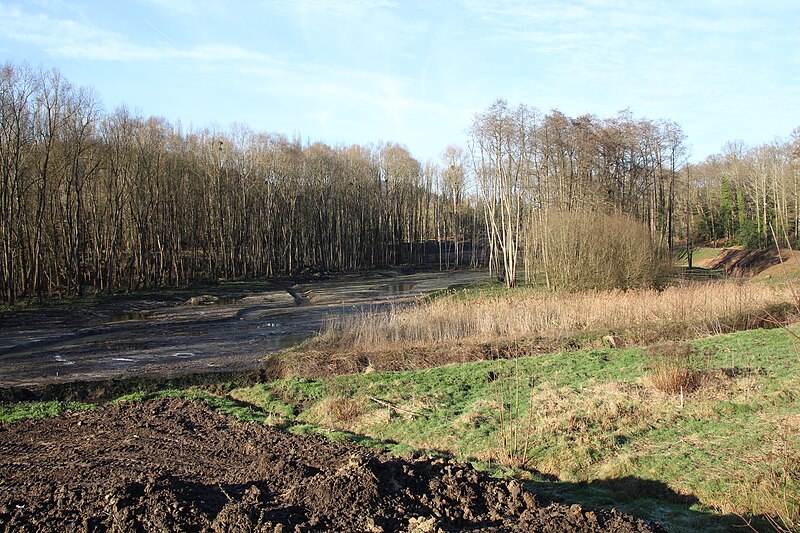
[(645, 498), (649, 499)]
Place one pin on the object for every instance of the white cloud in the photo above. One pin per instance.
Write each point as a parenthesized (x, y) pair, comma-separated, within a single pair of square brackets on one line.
[(409, 70), (190, 7), (68, 38), (78, 40)]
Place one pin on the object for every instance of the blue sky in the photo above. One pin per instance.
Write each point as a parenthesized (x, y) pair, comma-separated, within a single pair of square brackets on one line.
[(416, 72)]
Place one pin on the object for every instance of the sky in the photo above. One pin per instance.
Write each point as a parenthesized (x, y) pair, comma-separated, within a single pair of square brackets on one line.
[(417, 72)]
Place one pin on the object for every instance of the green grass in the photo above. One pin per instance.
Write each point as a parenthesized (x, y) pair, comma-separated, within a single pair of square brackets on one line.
[(34, 410), (596, 424), (597, 432), (242, 411), (699, 255), (485, 288)]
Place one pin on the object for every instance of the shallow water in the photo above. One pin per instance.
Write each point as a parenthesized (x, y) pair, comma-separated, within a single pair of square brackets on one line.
[(236, 331)]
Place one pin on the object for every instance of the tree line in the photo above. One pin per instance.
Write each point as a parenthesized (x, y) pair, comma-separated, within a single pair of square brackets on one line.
[(534, 169), (531, 166), (743, 194), (106, 201), (95, 201)]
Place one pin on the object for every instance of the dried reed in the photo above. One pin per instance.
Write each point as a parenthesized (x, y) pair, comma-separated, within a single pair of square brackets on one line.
[(698, 309)]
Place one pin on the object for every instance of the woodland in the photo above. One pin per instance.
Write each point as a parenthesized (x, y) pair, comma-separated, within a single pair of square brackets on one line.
[(105, 201)]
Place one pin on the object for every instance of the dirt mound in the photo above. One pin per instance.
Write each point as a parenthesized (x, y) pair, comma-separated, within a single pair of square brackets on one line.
[(172, 464), (746, 263)]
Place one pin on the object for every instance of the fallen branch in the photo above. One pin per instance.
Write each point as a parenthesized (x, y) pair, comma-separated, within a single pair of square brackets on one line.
[(412, 414)]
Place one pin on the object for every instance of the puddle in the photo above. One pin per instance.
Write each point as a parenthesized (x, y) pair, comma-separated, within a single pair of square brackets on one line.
[(205, 300), (184, 355), (400, 287), (60, 359), (124, 317), (280, 342)]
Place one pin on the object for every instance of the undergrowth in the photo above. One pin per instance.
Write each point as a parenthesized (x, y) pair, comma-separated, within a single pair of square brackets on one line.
[(453, 328), (674, 367)]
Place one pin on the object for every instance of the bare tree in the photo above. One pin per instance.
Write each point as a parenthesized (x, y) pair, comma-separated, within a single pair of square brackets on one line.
[(453, 184)]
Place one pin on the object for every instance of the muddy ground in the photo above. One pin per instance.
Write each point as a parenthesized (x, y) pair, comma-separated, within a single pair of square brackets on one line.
[(177, 465), (221, 328)]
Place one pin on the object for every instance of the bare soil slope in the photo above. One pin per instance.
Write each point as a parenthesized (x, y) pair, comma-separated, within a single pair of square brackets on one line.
[(743, 262), (173, 464)]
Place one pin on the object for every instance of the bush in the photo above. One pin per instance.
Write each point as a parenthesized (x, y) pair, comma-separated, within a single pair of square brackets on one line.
[(579, 250), (339, 410), (672, 370)]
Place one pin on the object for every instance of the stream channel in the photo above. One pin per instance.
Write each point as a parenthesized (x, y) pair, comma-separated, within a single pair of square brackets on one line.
[(231, 326)]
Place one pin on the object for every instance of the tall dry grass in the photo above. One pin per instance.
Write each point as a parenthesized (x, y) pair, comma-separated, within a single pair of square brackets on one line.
[(672, 371), (640, 315)]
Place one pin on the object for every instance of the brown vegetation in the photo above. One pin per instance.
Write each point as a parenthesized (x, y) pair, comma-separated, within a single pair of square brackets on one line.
[(91, 201), (671, 368), (458, 329), (527, 164), (94, 201), (579, 250), (695, 310), (340, 411), (515, 425)]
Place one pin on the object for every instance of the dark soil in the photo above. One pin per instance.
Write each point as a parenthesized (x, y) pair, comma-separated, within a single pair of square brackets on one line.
[(173, 464), (745, 263)]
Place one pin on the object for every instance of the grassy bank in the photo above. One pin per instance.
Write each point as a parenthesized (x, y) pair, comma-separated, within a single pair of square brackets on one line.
[(466, 324), (594, 426), (596, 420), (700, 434)]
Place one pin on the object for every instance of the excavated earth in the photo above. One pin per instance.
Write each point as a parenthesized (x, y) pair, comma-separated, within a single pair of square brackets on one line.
[(177, 465)]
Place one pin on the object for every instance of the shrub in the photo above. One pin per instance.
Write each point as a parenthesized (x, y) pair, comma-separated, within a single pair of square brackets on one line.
[(342, 410), (672, 371), (580, 250)]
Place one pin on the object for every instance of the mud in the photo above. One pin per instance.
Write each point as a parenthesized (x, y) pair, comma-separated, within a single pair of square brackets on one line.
[(173, 464), (221, 328)]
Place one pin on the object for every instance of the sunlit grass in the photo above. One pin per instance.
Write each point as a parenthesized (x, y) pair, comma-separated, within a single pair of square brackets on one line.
[(34, 410), (594, 427), (596, 418)]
